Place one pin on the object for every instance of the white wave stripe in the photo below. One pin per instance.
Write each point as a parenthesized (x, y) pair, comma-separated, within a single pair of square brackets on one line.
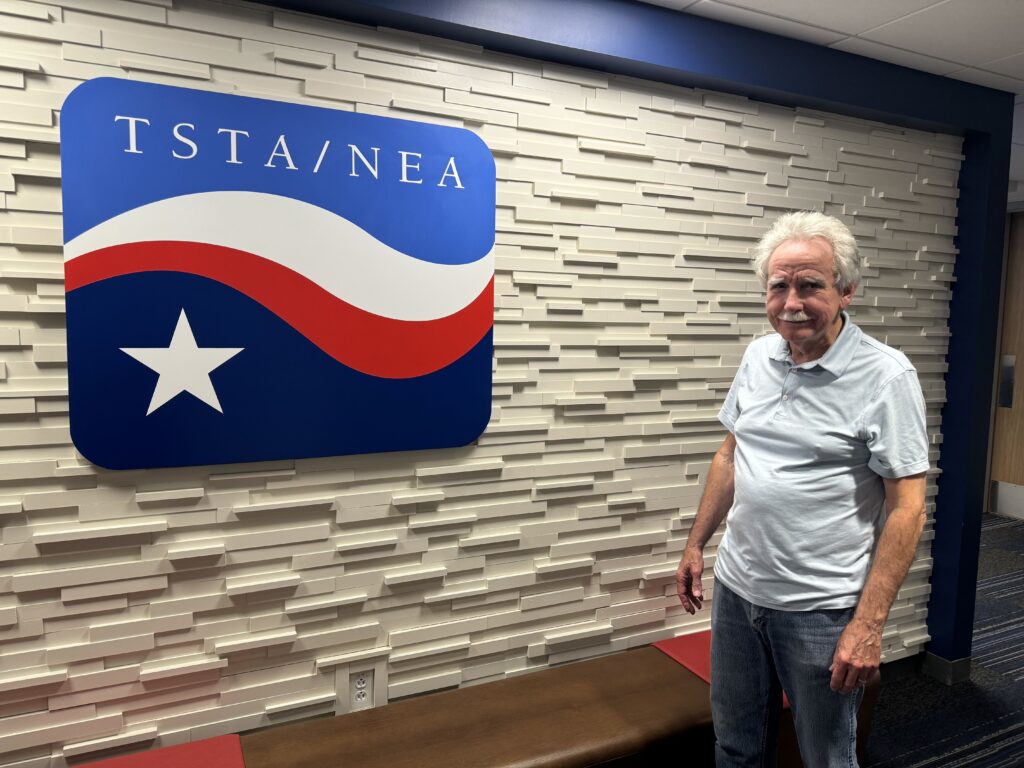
[(322, 246)]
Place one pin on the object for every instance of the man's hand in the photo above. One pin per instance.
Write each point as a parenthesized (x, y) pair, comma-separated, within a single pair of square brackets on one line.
[(714, 506), (859, 650), (688, 586), (857, 656)]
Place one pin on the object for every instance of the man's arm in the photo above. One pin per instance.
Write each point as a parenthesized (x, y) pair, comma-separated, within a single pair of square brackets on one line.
[(714, 506), (859, 651)]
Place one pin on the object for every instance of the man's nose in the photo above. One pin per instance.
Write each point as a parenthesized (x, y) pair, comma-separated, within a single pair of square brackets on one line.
[(793, 302)]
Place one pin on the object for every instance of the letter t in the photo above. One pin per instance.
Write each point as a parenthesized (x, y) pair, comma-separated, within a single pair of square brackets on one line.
[(132, 144)]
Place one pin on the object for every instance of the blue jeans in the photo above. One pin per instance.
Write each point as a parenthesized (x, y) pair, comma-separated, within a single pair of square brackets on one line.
[(756, 653)]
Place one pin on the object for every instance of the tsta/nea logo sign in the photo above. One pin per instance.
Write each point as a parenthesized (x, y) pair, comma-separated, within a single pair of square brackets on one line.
[(251, 280)]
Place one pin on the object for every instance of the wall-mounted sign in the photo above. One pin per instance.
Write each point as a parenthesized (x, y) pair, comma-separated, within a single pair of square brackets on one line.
[(250, 280)]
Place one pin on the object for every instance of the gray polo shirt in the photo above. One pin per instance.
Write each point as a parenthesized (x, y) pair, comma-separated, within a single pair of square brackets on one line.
[(813, 442)]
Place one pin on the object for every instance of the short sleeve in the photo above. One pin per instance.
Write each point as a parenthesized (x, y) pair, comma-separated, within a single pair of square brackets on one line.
[(730, 410), (894, 426)]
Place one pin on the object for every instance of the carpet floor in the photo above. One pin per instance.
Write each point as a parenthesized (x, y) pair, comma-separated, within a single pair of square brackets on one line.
[(979, 723)]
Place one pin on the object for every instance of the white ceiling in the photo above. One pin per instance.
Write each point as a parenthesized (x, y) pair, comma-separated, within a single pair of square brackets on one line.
[(980, 41)]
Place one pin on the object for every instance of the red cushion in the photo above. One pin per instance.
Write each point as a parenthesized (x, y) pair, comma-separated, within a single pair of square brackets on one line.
[(694, 653), (219, 752)]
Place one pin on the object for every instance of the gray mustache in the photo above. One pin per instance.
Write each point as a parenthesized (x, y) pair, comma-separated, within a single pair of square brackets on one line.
[(793, 317)]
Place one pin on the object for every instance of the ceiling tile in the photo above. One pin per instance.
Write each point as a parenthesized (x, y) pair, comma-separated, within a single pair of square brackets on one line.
[(851, 17), (967, 31), (991, 79), (1011, 66), (896, 56), (744, 18)]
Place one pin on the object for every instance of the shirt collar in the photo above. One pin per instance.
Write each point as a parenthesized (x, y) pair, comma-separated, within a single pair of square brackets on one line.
[(836, 359)]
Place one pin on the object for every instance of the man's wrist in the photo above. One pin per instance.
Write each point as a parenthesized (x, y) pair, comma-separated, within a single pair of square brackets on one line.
[(874, 625)]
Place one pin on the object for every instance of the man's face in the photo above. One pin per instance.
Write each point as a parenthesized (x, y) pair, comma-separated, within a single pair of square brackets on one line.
[(802, 301)]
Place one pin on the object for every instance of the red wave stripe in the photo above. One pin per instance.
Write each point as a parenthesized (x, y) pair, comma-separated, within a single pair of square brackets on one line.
[(369, 343)]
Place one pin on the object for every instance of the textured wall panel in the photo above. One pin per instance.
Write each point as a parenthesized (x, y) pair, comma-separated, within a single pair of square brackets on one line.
[(144, 608)]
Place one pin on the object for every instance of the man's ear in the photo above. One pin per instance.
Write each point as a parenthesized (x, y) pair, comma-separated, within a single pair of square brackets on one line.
[(848, 293)]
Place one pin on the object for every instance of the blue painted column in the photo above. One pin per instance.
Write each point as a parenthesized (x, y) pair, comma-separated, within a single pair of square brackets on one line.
[(966, 419)]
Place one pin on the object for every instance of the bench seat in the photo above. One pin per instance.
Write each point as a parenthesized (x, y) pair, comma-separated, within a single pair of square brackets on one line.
[(637, 707), (642, 708)]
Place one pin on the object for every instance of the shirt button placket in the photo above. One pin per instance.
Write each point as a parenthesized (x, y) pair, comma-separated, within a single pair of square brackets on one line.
[(784, 402)]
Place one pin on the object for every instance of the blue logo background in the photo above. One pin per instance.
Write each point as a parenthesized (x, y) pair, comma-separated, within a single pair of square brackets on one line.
[(282, 395), (101, 180)]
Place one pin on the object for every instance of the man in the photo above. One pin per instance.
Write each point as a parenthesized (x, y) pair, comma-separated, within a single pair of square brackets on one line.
[(822, 478)]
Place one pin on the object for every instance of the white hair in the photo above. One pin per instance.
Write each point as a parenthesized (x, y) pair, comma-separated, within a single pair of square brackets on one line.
[(804, 225)]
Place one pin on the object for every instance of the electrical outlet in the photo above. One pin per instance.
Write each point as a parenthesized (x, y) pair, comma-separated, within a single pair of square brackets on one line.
[(360, 687)]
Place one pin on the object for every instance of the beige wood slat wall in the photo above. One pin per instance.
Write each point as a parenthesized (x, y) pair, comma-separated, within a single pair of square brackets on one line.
[(1008, 444), (250, 594)]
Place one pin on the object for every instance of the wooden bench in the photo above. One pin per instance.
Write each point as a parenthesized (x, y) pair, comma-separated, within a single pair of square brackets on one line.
[(639, 708), (636, 708)]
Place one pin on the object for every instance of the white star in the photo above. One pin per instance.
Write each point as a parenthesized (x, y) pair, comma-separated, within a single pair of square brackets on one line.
[(183, 366)]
